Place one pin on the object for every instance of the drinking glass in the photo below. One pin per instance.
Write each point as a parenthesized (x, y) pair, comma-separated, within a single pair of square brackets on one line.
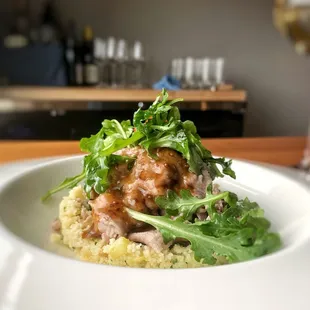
[(174, 68), (189, 73), (177, 68), (219, 71), (216, 73), (121, 63), (205, 74), (197, 76), (112, 65), (137, 65), (101, 56)]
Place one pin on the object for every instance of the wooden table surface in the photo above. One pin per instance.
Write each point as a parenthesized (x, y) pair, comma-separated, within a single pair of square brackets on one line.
[(285, 151)]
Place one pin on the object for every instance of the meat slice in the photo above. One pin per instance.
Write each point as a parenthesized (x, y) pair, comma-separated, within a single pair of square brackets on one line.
[(198, 184), (202, 214), (110, 219), (56, 225), (219, 205), (151, 238), (111, 228)]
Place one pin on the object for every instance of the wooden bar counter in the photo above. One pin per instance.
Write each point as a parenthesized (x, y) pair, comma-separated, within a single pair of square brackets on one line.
[(284, 151), (63, 94)]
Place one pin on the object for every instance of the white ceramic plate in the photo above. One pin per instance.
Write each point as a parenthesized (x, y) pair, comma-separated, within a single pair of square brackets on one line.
[(34, 275)]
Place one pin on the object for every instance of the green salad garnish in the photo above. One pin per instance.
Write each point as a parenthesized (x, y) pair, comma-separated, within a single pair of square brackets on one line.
[(158, 126), (240, 232)]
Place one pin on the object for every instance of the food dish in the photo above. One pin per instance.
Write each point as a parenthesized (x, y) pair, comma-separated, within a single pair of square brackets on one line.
[(278, 281), (150, 198)]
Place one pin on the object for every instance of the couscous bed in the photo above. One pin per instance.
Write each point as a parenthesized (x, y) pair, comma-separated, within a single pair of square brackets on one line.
[(120, 252)]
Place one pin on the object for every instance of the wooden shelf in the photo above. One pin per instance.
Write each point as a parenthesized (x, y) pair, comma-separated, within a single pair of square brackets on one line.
[(63, 94)]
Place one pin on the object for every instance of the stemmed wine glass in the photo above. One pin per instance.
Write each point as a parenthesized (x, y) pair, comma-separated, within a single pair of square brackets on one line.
[(216, 73), (121, 59), (136, 65)]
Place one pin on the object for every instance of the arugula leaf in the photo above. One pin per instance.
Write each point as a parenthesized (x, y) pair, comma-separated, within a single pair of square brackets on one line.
[(200, 156), (67, 183), (205, 247), (252, 213), (226, 165), (225, 224), (173, 140), (97, 171), (111, 131), (113, 145), (112, 127), (250, 208), (156, 114), (93, 143), (186, 204)]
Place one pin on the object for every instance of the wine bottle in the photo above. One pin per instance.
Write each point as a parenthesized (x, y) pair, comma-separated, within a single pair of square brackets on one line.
[(90, 68), (79, 79), (69, 46)]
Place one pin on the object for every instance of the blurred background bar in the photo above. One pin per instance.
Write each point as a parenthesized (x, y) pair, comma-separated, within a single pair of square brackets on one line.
[(67, 65)]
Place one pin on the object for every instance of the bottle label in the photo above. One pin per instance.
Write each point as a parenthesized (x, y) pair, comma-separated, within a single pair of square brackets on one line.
[(15, 41), (91, 74), (79, 74)]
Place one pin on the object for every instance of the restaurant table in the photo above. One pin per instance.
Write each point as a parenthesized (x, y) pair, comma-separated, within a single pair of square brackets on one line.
[(283, 151)]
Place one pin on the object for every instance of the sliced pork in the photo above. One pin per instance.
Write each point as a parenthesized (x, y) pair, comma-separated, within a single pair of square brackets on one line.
[(152, 238), (56, 225)]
